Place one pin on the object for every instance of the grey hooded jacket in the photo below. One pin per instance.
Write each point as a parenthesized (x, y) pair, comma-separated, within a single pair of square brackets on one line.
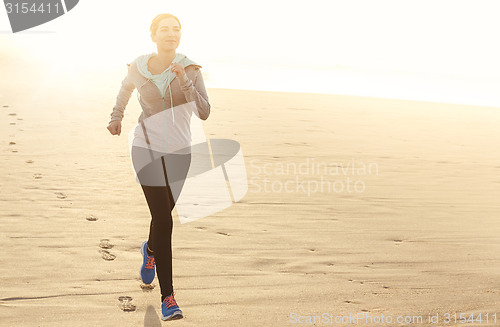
[(191, 88)]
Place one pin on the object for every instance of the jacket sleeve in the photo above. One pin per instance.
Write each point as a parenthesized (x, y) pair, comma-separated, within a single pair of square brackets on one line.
[(195, 91), (126, 89)]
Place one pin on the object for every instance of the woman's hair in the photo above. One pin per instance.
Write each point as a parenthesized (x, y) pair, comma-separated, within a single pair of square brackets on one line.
[(156, 21)]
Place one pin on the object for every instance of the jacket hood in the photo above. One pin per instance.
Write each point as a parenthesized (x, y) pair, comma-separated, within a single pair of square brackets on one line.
[(142, 63), (163, 79)]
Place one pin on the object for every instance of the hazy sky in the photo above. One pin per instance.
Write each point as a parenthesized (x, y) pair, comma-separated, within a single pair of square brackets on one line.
[(422, 37)]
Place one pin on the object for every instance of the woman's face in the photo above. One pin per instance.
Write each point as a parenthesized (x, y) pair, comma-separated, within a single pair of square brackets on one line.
[(168, 34)]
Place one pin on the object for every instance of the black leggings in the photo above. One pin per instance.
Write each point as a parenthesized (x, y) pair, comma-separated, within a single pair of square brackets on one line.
[(161, 202)]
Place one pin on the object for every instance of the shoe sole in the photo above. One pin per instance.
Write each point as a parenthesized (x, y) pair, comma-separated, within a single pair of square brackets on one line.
[(144, 255), (174, 316)]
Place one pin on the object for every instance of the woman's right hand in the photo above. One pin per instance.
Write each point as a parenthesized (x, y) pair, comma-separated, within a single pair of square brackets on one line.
[(115, 127)]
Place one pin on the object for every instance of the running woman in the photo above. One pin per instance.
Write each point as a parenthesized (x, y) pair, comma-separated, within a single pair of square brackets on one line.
[(168, 85)]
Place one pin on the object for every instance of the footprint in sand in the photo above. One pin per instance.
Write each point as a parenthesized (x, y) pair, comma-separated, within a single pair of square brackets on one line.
[(126, 303), (12, 143), (91, 218), (5, 106), (37, 176), (61, 195), (29, 161), (107, 256), (147, 287), (105, 244), (12, 114), (12, 123)]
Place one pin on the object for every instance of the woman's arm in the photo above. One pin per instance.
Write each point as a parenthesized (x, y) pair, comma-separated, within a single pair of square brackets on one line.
[(126, 89), (195, 91)]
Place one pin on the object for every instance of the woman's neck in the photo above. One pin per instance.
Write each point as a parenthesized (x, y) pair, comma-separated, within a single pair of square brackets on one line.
[(166, 57)]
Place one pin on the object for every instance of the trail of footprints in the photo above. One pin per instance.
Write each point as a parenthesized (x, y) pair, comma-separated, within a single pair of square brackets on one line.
[(12, 143), (104, 244), (126, 304), (12, 115)]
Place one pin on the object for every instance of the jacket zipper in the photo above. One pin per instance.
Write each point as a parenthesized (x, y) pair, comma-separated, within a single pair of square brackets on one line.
[(162, 96)]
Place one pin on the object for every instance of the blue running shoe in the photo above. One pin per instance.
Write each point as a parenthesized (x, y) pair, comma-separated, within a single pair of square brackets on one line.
[(169, 308), (148, 265)]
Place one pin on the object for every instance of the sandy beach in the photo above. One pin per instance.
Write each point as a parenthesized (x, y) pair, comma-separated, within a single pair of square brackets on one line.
[(356, 206)]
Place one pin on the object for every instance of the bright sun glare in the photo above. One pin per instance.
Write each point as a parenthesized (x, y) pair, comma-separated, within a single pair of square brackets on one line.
[(429, 39)]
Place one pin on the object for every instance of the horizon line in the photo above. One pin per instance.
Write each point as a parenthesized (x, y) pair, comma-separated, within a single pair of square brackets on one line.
[(363, 96)]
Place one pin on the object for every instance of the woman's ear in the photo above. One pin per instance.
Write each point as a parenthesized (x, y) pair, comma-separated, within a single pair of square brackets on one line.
[(153, 37)]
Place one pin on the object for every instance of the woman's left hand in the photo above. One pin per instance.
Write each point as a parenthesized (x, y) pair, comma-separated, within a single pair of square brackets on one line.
[(177, 69)]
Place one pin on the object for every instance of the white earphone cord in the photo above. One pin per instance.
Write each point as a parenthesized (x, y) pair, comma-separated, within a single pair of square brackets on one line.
[(171, 104)]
